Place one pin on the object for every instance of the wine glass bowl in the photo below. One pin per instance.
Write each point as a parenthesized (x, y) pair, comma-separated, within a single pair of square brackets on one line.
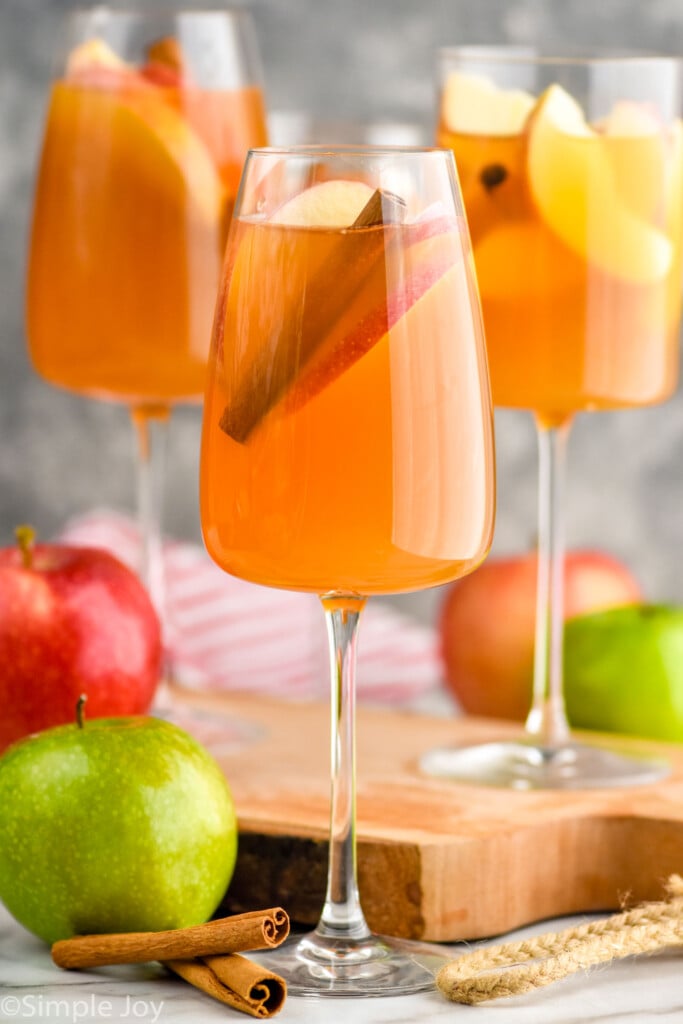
[(145, 138), (149, 120), (573, 204), (281, 396), (347, 443), (572, 179)]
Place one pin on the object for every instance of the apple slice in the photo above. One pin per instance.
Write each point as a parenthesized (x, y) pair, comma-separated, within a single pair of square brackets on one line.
[(317, 301), (627, 118), (673, 203), (637, 144), (179, 148), (94, 65), (337, 323), (94, 53), (573, 186), (329, 204), (474, 105), (152, 137), (430, 248)]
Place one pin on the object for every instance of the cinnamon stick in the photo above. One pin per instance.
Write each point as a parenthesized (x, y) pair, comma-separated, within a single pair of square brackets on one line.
[(236, 981), (328, 294), (260, 929)]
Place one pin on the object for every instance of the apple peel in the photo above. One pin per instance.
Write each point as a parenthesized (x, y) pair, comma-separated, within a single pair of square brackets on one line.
[(328, 294), (95, 53), (429, 258), (94, 65)]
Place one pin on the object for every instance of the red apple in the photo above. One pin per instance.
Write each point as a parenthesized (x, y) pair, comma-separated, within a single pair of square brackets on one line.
[(72, 621), (487, 624)]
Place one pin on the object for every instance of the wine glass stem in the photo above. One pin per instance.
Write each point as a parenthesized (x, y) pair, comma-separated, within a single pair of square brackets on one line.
[(547, 719), (342, 917), (151, 429)]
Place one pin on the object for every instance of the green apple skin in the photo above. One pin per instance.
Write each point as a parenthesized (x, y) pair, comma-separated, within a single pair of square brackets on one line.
[(624, 671), (124, 824)]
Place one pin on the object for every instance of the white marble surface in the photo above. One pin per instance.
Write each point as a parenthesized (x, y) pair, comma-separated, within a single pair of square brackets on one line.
[(635, 991)]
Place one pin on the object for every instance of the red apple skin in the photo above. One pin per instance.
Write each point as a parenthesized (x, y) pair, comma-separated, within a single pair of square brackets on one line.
[(487, 624), (435, 247), (77, 621), (120, 81), (162, 75)]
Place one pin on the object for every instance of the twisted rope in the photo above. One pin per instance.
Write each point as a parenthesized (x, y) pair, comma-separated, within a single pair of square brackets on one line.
[(514, 968)]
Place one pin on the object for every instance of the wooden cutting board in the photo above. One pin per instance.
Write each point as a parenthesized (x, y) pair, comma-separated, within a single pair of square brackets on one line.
[(437, 860)]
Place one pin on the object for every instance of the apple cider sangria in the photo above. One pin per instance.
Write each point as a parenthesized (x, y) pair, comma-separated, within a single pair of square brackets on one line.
[(576, 232), (149, 121), (138, 177), (347, 446), (322, 405), (572, 177)]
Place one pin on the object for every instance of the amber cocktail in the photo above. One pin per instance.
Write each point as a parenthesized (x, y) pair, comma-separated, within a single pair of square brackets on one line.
[(347, 442), (577, 244), (572, 179), (147, 128)]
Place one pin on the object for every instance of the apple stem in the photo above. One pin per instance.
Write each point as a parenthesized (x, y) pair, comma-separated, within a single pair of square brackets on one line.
[(26, 536), (80, 710)]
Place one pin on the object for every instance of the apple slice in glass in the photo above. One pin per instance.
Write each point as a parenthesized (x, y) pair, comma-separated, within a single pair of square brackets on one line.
[(138, 127), (433, 249), (338, 324), (473, 104), (573, 186), (328, 204)]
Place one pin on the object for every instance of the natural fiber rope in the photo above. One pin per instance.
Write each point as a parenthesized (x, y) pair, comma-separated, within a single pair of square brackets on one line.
[(517, 967)]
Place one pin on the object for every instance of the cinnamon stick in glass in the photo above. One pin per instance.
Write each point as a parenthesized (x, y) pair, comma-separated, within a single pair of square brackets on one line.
[(328, 294), (260, 929)]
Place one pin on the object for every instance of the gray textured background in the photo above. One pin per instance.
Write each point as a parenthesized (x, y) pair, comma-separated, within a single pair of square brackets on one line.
[(350, 60)]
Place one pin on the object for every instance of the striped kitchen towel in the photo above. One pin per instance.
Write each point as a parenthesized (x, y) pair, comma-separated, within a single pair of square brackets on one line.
[(226, 634)]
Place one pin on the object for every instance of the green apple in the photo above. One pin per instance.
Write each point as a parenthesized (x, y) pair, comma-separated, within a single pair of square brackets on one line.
[(624, 671), (487, 624), (115, 825)]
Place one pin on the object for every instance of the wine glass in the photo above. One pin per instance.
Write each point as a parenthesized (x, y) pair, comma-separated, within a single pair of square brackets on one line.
[(347, 442), (149, 121), (572, 180)]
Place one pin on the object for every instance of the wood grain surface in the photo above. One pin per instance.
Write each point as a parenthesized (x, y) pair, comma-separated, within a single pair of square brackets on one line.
[(437, 860)]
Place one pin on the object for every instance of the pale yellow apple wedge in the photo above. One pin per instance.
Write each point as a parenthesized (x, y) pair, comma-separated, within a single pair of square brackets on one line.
[(638, 145), (131, 117), (573, 186), (473, 104), (329, 204)]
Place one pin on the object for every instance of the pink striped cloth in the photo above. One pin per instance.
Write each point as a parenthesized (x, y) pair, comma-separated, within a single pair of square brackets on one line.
[(226, 634)]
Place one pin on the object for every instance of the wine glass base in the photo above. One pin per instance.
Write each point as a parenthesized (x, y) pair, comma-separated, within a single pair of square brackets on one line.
[(523, 765), (314, 965)]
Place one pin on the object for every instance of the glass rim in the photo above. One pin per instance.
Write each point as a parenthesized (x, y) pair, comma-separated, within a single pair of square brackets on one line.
[(511, 53), (158, 10), (346, 148)]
